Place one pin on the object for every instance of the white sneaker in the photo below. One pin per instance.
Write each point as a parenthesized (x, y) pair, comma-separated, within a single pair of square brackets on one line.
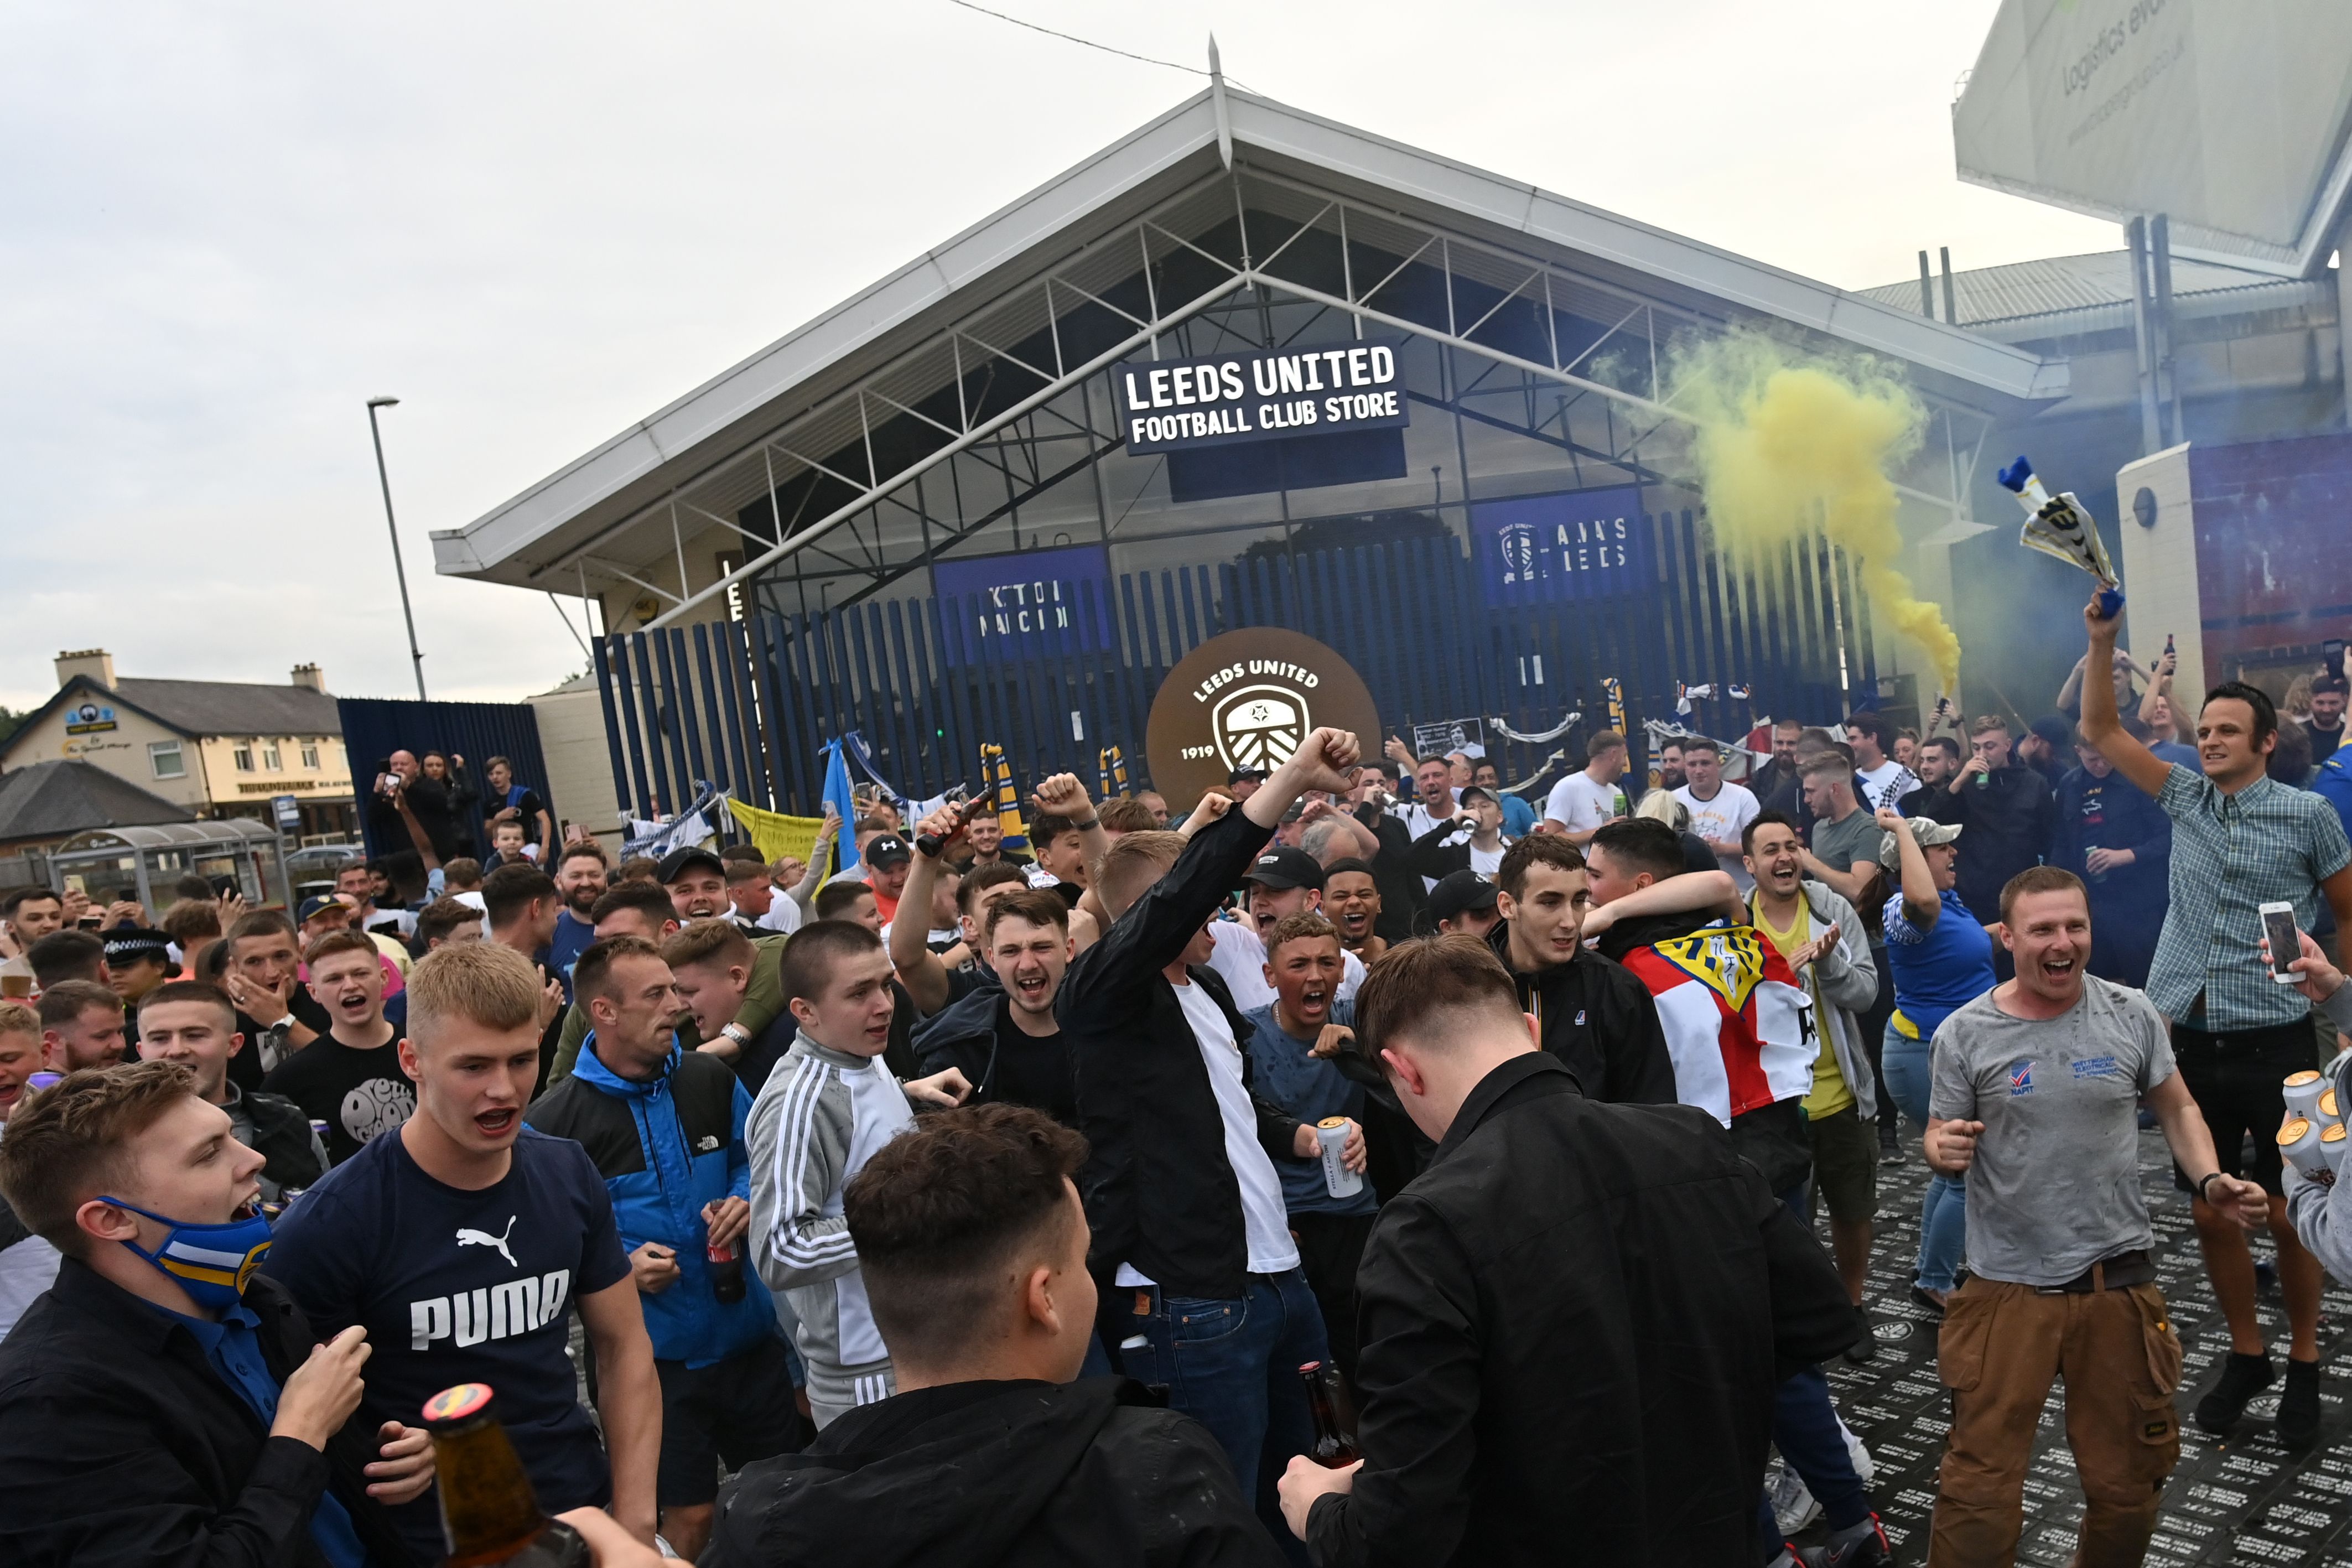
[(1793, 1507)]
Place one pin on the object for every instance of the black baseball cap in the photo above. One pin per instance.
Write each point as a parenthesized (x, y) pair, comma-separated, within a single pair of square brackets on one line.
[(1238, 774), (1459, 891), (313, 906), (679, 862), (1281, 867), (886, 849)]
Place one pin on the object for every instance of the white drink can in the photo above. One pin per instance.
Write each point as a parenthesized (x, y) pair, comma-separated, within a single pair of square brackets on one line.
[(1338, 1179), (2331, 1145), (2298, 1141), (2301, 1091)]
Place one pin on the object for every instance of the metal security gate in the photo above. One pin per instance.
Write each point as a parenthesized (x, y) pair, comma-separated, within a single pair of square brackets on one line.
[(749, 704)]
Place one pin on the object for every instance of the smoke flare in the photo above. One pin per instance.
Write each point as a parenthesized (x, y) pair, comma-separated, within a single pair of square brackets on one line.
[(1786, 444)]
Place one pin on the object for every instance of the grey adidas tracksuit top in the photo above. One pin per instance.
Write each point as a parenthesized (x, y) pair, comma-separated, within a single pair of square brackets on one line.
[(817, 1119)]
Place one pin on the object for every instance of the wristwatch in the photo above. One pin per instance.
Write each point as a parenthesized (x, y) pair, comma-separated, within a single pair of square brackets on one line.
[(2203, 1181), (1089, 824), (737, 1033)]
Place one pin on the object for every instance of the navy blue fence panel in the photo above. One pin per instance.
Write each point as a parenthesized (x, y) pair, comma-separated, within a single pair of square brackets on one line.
[(927, 681), (374, 728)]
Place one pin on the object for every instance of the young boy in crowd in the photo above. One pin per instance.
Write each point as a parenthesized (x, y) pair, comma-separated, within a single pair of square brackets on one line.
[(821, 1115), (1303, 964)]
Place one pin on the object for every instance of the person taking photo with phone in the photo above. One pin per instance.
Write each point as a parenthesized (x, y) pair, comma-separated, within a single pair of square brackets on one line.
[(2240, 839)]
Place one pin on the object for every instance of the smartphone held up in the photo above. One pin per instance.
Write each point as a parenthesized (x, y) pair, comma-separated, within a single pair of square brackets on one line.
[(2278, 928)]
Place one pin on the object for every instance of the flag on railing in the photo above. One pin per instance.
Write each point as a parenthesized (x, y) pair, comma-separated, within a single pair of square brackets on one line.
[(777, 836), (837, 795), (690, 826)]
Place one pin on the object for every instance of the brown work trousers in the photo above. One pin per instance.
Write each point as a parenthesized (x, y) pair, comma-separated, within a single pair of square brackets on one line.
[(2002, 1347)]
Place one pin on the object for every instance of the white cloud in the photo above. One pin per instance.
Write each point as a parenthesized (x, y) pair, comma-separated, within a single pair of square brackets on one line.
[(226, 226)]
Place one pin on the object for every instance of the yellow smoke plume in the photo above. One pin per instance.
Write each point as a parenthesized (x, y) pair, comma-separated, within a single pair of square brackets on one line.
[(1786, 444)]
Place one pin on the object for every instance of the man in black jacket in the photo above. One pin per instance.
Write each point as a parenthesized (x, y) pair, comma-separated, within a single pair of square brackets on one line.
[(1203, 1287), (1593, 1015), (2009, 811), (972, 1244), (1573, 1323), (157, 1405), (1004, 1037)]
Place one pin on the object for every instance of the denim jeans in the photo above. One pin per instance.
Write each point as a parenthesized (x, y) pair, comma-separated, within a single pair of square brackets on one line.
[(1234, 1367), (1943, 1208)]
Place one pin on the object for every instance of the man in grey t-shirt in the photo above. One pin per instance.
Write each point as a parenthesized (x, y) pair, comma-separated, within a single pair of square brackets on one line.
[(2038, 1085)]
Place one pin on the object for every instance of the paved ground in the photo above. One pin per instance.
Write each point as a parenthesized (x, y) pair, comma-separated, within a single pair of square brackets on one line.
[(2244, 1502)]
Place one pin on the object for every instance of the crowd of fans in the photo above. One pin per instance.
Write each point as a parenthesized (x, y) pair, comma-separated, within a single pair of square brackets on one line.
[(982, 1204)]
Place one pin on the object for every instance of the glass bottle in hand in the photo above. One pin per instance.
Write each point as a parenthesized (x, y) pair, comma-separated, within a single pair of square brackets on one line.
[(1334, 1449), (489, 1512)]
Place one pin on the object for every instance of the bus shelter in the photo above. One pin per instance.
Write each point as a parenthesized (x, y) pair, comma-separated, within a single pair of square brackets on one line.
[(142, 862)]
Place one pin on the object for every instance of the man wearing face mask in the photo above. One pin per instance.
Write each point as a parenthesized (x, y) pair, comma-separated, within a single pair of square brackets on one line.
[(223, 1428)]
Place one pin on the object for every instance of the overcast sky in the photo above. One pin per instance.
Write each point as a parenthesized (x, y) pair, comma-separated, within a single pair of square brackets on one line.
[(224, 227)]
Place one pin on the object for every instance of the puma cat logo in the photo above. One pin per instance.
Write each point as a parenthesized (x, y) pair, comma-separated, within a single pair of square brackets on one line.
[(467, 1236)]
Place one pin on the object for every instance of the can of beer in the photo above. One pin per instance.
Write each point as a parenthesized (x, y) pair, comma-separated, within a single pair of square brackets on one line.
[(2331, 1145), (1338, 1179), (2326, 1106), (2298, 1141), (2302, 1091)]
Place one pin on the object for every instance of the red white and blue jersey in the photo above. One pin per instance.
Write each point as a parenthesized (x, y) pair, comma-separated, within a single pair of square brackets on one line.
[(1739, 1025)]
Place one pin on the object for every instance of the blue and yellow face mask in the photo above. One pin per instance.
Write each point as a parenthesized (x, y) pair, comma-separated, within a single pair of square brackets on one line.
[(210, 1262)]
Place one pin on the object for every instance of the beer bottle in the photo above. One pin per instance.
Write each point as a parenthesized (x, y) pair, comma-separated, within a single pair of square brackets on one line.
[(489, 1512), (1334, 1449)]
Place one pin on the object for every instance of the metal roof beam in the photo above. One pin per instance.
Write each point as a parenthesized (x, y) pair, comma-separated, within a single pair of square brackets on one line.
[(1037, 399)]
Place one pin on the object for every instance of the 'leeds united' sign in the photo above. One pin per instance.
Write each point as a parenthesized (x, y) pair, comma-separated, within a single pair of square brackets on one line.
[(1180, 406)]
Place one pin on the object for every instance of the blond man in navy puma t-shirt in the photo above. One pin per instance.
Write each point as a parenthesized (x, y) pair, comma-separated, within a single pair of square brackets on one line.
[(464, 1243)]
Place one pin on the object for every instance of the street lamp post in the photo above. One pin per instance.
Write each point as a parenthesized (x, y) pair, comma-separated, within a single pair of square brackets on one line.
[(414, 654)]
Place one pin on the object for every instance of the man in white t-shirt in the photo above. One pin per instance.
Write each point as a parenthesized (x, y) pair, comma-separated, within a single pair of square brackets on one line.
[(1884, 781), (1586, 801), (1719, 812), (1432, 784)]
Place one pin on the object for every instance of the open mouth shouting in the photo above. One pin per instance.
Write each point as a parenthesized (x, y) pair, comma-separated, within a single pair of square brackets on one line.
[(499, 1122), (1314, 1001), (1032, 986), (2059, 965)]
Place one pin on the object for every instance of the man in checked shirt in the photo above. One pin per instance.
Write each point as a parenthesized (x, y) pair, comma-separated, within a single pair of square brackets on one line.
[(2240, 839)]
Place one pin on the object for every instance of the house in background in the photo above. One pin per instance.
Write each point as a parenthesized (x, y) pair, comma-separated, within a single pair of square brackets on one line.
[(218, 748)]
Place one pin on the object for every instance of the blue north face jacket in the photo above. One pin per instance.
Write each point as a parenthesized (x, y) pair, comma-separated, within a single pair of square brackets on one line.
[(666, 1148)]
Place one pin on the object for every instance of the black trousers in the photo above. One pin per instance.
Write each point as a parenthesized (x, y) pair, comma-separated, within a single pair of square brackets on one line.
[(1330, 1246)]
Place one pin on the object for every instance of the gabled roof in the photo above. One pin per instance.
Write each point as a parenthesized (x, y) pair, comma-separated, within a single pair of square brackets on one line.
[(200, 707), (1094, 199), (233, 707), (59, 798)]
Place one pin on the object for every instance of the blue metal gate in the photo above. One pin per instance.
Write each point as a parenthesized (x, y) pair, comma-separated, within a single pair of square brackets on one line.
[(749, 704)]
